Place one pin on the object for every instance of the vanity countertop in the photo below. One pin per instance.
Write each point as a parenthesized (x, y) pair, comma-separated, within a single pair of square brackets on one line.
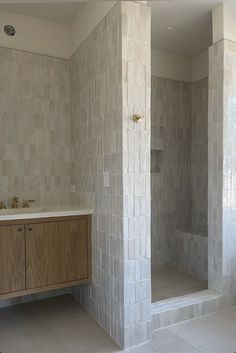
[(42, 212)]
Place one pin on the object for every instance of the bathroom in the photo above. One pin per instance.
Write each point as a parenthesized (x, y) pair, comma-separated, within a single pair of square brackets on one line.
[(116, 132)]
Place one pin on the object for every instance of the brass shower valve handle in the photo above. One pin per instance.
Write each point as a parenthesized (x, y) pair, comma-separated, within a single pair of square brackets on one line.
[(137, 117)]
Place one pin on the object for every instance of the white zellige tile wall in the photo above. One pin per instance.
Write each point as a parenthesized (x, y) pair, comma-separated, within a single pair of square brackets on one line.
[(109, 82), (34, 128), (222, 170), (96, 134), (179, 122), (136, 91)]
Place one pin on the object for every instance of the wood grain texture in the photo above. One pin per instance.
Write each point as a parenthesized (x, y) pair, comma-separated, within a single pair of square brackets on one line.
[(42, 220), (12, 259), (57, 252), (43, 289)]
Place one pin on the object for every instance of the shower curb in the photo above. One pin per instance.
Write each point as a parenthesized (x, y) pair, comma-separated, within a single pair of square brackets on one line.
[(172, 311)]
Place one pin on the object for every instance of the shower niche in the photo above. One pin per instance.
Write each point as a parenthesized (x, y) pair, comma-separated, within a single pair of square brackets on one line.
[(156, 161)]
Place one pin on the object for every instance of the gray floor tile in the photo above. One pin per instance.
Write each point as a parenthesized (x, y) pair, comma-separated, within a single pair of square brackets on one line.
[(30, 341), (201, 331), (226, 318), (165, 341), (227, 345)]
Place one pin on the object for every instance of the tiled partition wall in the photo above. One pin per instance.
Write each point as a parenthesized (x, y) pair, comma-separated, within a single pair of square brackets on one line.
[(136, 88), (222, 170), (96, 135), (34, 128), (109, 78)]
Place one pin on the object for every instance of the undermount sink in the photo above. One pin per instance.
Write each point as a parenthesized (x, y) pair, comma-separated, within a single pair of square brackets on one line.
[(42, 212), (14, 211)]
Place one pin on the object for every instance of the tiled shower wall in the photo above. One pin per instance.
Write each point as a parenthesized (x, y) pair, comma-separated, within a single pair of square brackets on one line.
[(199, 156), (170, 187), (179, 181), (34, 128)]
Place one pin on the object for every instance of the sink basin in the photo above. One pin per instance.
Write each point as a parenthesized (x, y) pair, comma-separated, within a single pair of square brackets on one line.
[(14, 211), (42, 212)]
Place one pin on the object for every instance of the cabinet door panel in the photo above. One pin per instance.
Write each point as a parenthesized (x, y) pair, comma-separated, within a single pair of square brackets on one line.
[(56, 252), (12, 259)]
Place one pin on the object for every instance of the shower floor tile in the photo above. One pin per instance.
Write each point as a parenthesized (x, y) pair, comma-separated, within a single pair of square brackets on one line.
[(169, 283)]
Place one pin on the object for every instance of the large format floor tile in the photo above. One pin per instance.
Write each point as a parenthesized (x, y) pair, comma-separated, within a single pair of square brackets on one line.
[(226, 318), (226, 345), (166, 341), (61, 325), (201, 331), (30, 341)]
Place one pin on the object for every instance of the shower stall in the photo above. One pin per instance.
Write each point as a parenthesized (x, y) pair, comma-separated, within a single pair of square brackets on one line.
[(179, 187)]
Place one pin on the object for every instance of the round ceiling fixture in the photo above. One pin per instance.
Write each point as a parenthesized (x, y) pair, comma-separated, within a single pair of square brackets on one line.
[(9, 30), (170, 28)]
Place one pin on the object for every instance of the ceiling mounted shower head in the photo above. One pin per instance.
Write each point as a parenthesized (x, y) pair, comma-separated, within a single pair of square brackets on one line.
[(9, 30)]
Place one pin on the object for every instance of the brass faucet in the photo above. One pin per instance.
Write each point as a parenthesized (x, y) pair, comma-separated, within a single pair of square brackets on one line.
[(15, 202), (26, 203), (2, 205)]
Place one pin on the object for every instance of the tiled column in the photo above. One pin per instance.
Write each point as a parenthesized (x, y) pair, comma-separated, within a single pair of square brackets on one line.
[(109, 82), (222, 170), (136, 82)]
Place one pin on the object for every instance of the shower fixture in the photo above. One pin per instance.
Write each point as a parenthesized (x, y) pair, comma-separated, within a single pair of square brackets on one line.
[(137, 118), (9, 30)]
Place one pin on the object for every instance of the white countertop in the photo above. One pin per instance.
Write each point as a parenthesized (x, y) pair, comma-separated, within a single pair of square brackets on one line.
[(42, 212)]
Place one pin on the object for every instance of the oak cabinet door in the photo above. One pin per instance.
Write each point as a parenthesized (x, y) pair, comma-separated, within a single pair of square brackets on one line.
[(12, 259), (56, 252)]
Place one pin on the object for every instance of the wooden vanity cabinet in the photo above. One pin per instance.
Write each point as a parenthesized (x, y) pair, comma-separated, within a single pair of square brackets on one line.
[(44, 254), (56, 252), (12, 259)]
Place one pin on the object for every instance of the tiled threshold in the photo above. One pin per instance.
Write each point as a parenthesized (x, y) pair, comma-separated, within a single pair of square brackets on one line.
[(171, 311)]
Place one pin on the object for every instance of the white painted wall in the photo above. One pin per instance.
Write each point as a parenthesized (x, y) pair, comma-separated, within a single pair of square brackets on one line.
[(52, 39), (180, 68), (223, 21), (218, 23), (200, 66), (44, 37), (36, 36), (229, 20), (87, 19), (171, 66)]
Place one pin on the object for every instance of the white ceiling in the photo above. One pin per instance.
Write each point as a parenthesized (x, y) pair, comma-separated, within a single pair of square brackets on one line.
[(61, 13), (191, 20)]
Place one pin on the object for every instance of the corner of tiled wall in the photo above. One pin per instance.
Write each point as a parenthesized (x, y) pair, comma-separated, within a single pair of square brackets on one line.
[(136, 86), (222, 175), (110, 81)]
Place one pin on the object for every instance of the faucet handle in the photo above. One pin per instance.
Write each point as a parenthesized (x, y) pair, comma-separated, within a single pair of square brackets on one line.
[(15, 202), (27, 202), (2, 205)]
